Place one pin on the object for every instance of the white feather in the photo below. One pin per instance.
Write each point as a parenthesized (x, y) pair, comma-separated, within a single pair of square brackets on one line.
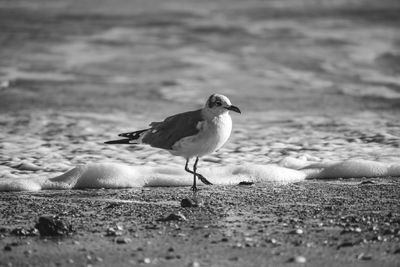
[(213, 134)]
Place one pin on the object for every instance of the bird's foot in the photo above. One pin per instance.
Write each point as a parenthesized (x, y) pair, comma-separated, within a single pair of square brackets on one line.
[(203, 179), (194, 189)]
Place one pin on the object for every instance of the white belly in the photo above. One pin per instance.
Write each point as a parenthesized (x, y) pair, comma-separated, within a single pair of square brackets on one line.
[(211, 137)]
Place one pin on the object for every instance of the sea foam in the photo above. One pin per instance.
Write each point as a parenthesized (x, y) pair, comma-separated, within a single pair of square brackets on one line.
[(112, 175), (354, 168)]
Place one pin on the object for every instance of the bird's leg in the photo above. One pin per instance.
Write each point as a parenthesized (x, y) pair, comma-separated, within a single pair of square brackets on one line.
[(201, 177), (195, 174), (194, 188)]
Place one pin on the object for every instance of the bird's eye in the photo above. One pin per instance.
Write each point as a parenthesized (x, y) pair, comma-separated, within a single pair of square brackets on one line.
[(218, 104)]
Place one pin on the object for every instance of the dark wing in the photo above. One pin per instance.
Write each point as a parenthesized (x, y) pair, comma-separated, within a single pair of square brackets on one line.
[(166, 133)]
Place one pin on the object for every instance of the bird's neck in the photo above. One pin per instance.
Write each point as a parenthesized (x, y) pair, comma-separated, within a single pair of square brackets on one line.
[(209, 114)]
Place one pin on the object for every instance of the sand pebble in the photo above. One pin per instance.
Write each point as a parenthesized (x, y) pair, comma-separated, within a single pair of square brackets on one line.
[(298, 259), (194, 264), (123, 240), (146, 261), (364, 257), (113, 232), (189, 202), (19, 231), (50, 225), (246, 183), (174, 217), (297, 231)]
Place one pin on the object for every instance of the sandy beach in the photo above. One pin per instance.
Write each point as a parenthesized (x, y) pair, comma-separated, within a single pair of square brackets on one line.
[(354, 223)]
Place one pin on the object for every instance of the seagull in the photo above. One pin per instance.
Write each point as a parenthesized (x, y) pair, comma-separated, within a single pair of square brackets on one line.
[(191, 134)]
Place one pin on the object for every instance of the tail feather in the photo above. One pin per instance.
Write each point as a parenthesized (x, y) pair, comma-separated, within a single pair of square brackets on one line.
[(121, 141), (130, 138), (133, 135)]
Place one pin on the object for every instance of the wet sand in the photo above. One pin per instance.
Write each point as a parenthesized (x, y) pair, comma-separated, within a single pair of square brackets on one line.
[(353, 223)]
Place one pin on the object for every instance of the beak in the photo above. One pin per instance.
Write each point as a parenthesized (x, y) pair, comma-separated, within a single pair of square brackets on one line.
[(233, 108)]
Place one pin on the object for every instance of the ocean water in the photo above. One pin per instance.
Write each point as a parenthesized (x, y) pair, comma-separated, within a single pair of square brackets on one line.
[(318, 84)]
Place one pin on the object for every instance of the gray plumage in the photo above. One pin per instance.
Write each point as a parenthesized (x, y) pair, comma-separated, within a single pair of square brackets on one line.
[(166, 133)]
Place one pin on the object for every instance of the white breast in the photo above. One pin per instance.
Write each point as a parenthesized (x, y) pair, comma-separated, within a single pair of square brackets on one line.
[(212, 135)]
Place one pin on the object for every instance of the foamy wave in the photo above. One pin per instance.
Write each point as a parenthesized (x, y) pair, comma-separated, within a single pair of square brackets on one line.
[(111, 175), (352, 169)]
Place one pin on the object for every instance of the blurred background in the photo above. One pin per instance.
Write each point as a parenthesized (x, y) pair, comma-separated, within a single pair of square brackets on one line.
[(318, 79)]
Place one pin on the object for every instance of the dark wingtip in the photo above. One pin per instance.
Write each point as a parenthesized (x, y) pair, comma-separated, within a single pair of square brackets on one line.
[(120, 141)]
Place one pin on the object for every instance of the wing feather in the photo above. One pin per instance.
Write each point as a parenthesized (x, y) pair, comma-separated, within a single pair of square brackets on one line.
[(166, 133)]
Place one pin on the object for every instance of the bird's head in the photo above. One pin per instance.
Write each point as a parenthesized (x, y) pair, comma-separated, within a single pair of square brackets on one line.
[(219, 104)]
